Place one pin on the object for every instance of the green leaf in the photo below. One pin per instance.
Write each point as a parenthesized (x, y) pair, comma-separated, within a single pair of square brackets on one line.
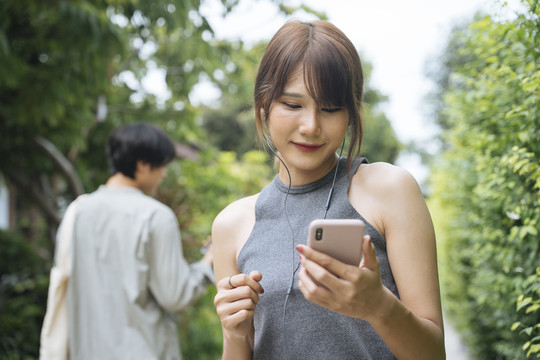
[(532, 308)]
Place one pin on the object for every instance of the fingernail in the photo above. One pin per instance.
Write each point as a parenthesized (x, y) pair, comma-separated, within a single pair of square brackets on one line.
[(300, 249), (262, 291)]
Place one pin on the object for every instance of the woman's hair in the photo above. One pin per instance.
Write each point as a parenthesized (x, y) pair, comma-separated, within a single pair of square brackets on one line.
[(331, 67), (139, 141)]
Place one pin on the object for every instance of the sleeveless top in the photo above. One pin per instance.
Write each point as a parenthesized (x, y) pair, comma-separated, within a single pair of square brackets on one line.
[(296, 328)]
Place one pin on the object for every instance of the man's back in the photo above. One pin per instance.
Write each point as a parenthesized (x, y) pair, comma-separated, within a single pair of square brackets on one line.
[(127, 270), (112, 311)]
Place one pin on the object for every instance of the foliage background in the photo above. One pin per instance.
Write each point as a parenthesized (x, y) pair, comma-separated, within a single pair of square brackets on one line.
[(486, 184), (71, 72)]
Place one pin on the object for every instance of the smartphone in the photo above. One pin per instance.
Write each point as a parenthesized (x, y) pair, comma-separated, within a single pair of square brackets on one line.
[(339, 238)]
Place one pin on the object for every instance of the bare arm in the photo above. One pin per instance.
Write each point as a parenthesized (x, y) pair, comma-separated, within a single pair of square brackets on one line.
[(238, 293), (412, 327)]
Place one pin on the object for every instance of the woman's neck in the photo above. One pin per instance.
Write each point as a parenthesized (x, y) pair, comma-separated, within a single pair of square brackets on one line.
[(299, 177)]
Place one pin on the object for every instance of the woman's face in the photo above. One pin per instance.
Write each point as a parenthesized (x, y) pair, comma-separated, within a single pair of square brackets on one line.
[(305, 134)]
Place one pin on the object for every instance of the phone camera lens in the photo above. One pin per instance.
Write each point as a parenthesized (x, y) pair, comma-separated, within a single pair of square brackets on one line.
[(318, 234)]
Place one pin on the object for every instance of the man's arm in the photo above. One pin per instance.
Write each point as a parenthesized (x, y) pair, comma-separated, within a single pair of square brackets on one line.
[(173, 282)]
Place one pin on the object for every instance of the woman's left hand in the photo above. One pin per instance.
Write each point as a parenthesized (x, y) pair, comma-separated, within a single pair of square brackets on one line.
[(346, 289)]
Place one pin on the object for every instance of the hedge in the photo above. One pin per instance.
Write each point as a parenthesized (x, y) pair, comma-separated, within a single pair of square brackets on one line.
[(486, 186)]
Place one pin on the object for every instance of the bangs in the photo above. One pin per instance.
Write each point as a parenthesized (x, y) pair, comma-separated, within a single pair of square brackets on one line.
[(326, 72), (331, 71), (327, 75)]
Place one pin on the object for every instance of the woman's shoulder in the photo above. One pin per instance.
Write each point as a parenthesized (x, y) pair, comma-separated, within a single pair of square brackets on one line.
[(231, 229), (380, 190), (384, 176), (385, 183), (236, 214)]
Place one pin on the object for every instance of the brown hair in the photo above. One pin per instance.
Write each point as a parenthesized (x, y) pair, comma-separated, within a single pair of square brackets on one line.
[(332, 73)]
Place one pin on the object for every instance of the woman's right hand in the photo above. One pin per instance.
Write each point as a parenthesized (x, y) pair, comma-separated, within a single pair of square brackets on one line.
[(235, 302)]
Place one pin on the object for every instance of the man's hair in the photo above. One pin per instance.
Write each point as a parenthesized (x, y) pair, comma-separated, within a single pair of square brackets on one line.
[(139, 141)]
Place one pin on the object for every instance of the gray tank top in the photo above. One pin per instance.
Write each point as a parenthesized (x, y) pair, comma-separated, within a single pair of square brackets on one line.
[(299, 329)]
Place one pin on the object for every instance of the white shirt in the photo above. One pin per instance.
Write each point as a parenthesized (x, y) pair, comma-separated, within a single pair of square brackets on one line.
[(127, 273)]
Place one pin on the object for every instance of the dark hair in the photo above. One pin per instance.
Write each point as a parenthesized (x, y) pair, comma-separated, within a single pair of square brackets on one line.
[(139, 141), (331, 67)]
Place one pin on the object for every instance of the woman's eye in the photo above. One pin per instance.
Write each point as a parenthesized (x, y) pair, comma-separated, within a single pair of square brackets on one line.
[(292, 106), (332, 110)]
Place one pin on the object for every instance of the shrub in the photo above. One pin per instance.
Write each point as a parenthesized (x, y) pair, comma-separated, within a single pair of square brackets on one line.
[(487, 188), (23, 294)]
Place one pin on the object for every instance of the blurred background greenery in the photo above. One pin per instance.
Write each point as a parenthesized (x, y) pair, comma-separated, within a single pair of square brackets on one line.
[(71, 71)]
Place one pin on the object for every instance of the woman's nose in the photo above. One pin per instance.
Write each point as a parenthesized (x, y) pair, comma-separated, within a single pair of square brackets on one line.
[(309, 123)]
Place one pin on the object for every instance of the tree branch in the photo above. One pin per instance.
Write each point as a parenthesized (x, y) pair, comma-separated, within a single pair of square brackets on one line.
[(63, 164), (31, 189)]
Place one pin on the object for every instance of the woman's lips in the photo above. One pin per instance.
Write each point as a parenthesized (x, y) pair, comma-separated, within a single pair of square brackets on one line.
[(307, 147)]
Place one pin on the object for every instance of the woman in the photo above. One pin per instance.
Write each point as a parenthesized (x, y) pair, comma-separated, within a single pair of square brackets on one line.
[(279, 299)]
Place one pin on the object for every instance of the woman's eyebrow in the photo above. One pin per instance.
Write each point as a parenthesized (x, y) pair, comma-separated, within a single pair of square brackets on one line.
[(292, 94)]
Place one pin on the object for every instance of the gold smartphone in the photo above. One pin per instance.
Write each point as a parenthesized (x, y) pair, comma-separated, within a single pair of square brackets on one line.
[(339, 238)]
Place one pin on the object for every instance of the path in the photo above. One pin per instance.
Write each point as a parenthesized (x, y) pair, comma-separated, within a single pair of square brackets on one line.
[(455, 349)]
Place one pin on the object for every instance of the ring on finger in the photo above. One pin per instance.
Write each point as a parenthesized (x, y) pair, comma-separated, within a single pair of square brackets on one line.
[(230, 284)]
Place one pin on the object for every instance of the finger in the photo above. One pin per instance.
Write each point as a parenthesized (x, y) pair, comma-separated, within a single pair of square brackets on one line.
[(225, 309), (234, 314), (233, 321), (369, 260), (337, 268), (239, 280), (255, 275), (316, 272), (312, 290), (322, 284), (307, 281), (225, 297)]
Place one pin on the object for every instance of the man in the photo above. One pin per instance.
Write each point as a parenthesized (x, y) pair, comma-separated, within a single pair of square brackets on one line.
[(127, 271)]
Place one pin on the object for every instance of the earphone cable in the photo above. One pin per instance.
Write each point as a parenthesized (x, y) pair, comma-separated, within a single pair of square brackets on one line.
[(331, 193), (293, 269)]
